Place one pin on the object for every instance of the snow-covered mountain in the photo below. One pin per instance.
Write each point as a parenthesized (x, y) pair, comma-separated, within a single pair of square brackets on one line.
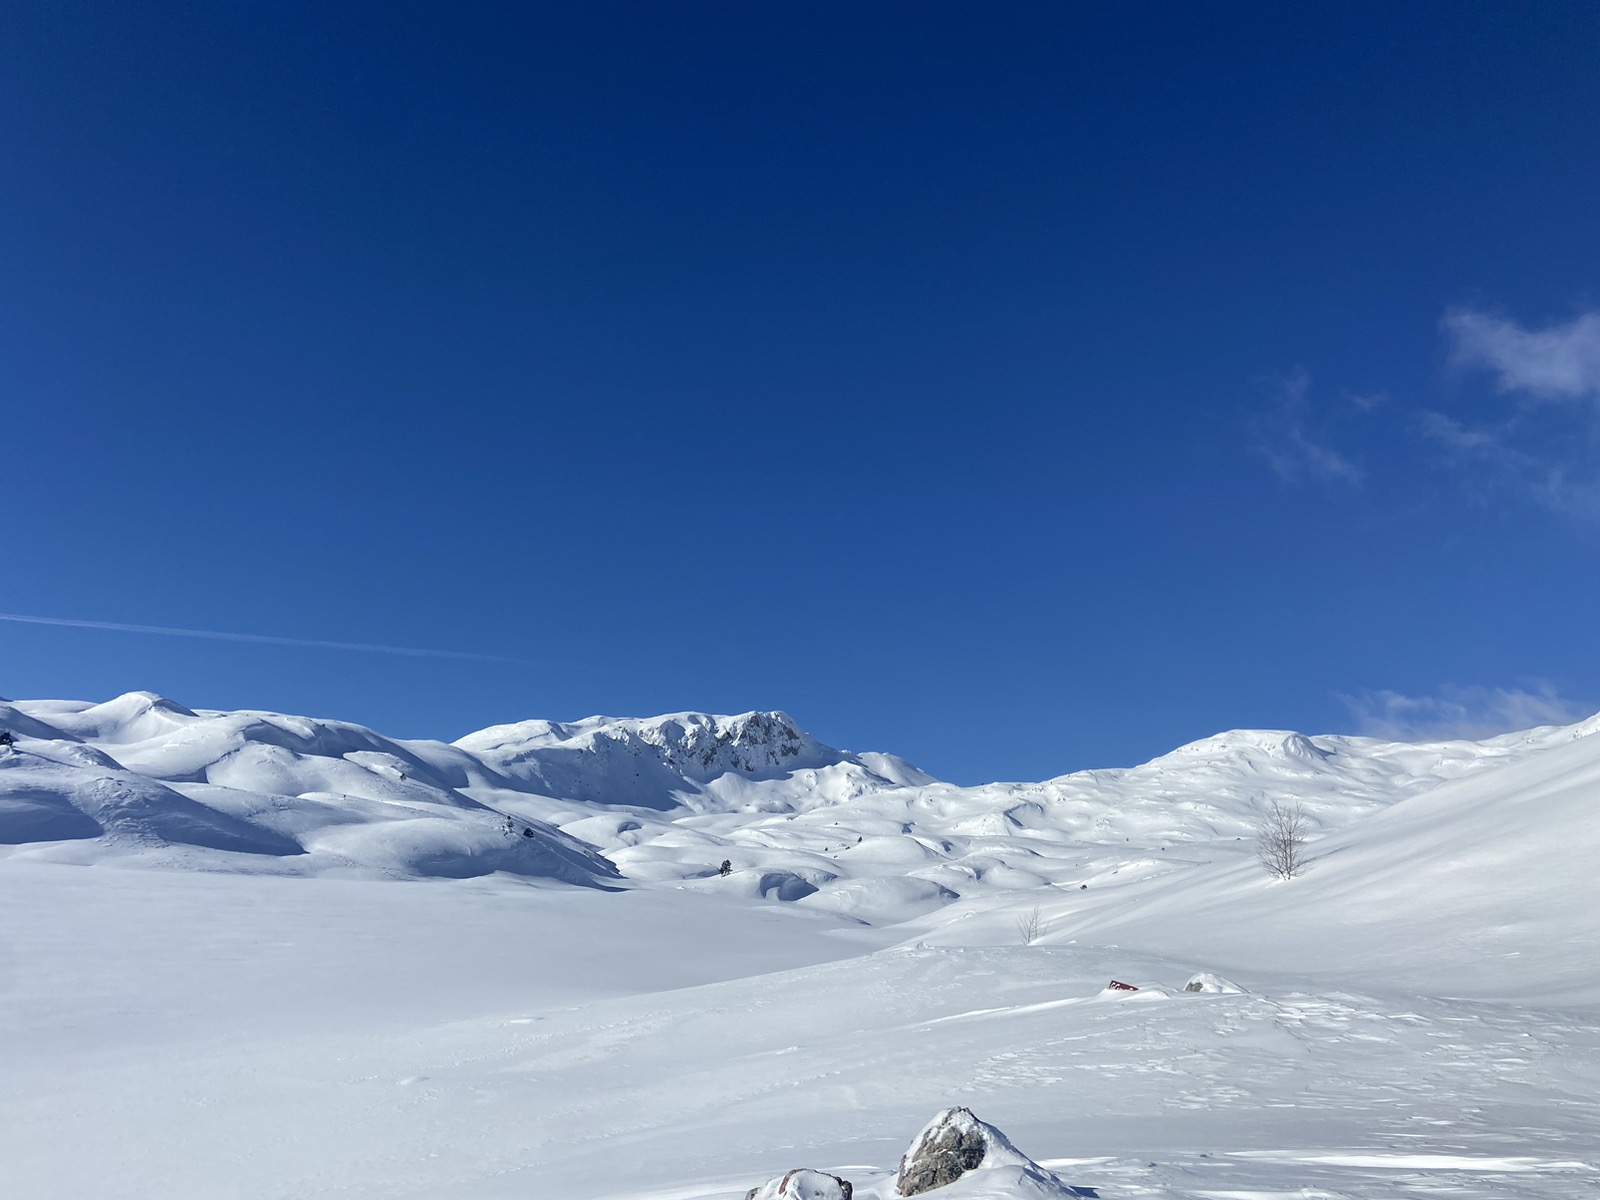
[(1413, 1016), (688, 760), (609, 801), (142, 776)]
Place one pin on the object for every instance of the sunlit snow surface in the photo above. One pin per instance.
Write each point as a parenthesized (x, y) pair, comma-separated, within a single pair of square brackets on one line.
[(254, 955)]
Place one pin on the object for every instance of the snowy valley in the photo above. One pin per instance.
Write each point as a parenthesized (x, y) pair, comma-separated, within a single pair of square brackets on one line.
[(258, 955)]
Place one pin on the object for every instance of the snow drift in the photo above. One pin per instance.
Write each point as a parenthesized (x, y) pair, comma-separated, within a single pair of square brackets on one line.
[(1488, 836)]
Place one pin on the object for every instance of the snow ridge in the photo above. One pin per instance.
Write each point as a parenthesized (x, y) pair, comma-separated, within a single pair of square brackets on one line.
[(748, 805)]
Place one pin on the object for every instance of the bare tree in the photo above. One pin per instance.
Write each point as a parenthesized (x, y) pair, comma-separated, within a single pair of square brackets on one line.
[(1281, 840), (1030, 925)]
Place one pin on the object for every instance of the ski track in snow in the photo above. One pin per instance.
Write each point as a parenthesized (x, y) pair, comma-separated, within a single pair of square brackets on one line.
[(263, 956)]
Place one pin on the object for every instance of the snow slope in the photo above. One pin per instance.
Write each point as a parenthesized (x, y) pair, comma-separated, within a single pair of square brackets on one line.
[(668, 799), (253, 955), (1484, 886), (142, 775)]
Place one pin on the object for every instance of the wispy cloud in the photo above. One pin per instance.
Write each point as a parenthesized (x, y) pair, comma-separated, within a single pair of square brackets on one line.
[(1460, 712), (260, 638), (1367, 401), (1561, 490), (1542, 444), (1288, 435), (1461, 440), (1560, 361), (1488, 446)]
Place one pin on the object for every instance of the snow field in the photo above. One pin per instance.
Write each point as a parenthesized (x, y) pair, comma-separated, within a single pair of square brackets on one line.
[(264, 956), (515, 1046)]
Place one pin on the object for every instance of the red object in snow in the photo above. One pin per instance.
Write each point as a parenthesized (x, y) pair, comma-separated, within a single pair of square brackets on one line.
[(1116, 985)]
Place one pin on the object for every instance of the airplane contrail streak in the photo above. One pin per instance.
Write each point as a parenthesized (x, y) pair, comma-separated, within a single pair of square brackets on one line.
[(262, 638)]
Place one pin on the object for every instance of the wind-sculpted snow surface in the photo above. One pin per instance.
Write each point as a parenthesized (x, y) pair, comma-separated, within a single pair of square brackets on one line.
[(1414, 1016), (881, 850), (670, 799), (143, 778), (1482, 886), (183, 1036)]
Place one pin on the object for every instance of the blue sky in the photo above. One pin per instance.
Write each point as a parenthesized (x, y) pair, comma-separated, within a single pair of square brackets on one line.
[(1019, 388)]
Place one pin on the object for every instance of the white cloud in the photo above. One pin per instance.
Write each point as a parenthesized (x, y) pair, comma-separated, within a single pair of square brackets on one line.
[(1545, 451), (1468, 442), (1557, 362), (1558, 490), (1287, 436), (1566, 489), (1367, 401), (1460, 712)]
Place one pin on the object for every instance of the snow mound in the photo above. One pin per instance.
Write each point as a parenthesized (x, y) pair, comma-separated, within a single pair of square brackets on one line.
[(45, 801), (144, 777), (1205, 981), (803, 1184), (1137, 994), (772, 885)]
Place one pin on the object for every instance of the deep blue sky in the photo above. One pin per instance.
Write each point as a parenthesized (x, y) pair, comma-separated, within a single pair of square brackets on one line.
[(1015, 387)]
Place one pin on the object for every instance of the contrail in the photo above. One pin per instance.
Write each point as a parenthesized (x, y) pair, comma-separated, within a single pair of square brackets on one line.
[(263, 638)]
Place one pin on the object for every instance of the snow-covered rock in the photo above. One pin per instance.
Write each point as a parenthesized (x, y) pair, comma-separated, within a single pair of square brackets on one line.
[(696, 760), (803, 1184), (956, 1143), (1205, 981)]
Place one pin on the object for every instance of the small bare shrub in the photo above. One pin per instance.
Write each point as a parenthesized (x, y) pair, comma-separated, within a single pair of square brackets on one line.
[(1281, 840), (1029, 926)]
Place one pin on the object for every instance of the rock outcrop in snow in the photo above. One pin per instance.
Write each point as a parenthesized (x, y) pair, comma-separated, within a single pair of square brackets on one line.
[(956, 1143), (949, 1146), (689, 760)]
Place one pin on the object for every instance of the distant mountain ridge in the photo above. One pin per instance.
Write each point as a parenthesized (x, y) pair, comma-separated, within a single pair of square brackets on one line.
[(662, 762), (619, 801)]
